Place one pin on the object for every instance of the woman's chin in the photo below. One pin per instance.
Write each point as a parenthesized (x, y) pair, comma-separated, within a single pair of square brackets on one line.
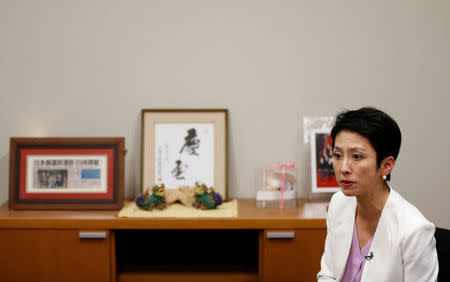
[(349, 192)]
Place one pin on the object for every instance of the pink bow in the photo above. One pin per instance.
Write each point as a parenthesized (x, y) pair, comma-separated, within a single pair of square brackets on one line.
[(283, 168)]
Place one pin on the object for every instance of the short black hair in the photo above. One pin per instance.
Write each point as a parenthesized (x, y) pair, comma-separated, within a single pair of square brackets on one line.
[(378, 127)]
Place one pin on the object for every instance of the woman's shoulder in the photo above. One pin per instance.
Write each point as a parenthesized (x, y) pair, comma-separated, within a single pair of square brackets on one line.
[(339, 199), (341, 206), (404, 215)]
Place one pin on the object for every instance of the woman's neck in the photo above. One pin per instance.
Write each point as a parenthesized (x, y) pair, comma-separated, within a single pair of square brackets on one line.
[(370, 206)]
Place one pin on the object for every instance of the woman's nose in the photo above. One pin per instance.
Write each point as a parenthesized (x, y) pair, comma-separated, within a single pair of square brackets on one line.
[(345, 166)]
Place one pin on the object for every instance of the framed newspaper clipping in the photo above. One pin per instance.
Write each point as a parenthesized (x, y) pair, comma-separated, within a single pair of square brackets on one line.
[(180, 147), (66, 173)]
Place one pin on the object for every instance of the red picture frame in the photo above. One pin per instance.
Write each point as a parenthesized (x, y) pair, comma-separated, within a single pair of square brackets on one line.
[(66, 173)]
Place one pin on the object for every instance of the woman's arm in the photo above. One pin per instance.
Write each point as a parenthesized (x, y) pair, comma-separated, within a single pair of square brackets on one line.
[(420, 261), (325, 273)]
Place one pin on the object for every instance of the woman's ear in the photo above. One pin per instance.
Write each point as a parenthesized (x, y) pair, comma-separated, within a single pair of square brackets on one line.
[(387, 165)]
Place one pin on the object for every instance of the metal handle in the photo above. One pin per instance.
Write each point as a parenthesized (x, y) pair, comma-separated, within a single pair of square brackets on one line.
[(280, 235), (92, 235)]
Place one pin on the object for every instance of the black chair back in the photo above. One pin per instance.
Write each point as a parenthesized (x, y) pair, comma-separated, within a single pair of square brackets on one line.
[(443, 251)]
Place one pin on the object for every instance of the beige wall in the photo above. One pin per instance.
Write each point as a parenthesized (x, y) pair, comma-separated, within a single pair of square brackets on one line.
[(87, 68)]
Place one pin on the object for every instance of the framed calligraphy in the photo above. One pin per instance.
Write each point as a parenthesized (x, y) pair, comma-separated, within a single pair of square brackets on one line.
[(180, 147), (66, 173)]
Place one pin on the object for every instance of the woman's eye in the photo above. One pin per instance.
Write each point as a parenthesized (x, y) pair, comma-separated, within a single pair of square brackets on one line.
[(337, 156), (357, 156)]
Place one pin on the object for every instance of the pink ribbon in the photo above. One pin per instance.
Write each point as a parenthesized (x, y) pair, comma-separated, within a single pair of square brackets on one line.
[(283, 168)]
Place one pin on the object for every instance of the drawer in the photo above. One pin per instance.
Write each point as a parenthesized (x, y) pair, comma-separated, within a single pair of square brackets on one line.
[(292, 255), (55, 255)]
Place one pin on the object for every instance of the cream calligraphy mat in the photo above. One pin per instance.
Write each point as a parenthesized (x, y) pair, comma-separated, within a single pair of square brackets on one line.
[(226, 209)]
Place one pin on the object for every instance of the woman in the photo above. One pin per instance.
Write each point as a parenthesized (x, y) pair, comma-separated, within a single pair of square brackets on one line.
[(373, 234)]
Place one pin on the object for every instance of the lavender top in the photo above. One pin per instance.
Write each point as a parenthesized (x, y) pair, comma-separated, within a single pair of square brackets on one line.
[(355, 262)]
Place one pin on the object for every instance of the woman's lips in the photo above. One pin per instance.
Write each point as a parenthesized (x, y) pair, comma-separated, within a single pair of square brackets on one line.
[(346, 183)]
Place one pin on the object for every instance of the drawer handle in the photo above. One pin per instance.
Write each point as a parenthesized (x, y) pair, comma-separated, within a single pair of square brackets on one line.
[(280, 235), (92, 235)]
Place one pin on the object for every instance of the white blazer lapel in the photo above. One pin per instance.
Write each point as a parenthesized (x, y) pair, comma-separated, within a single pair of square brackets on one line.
[(344, 239), (381, 247)]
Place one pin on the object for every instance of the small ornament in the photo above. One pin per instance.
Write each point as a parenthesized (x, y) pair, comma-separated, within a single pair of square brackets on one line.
[(156, 200), (183, 195), (205, 198)]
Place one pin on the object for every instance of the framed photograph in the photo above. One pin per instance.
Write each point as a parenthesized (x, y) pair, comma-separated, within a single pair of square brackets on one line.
[(322, 172), (180, 147), (66, 173)]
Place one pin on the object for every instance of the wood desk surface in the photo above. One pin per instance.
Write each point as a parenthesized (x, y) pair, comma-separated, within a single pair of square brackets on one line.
[(308, 215)]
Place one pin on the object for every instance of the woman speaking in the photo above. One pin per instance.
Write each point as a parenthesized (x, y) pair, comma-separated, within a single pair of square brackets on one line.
[(373, 233)]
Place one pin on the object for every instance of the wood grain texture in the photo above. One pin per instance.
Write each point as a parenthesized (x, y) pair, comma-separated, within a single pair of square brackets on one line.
[(188, 277), (53, 255), (309, 214), (44, 245), (296, 259)]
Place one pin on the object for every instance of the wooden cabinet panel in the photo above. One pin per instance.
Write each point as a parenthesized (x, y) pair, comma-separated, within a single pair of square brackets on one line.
[(292, 255), (188, 277), (45, 246), (53, 255)]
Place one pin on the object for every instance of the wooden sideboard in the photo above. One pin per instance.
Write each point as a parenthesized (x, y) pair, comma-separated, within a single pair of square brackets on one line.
[(259, 245)]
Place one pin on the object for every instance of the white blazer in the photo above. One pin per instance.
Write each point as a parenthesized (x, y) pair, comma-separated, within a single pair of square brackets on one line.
[(403, 247)]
